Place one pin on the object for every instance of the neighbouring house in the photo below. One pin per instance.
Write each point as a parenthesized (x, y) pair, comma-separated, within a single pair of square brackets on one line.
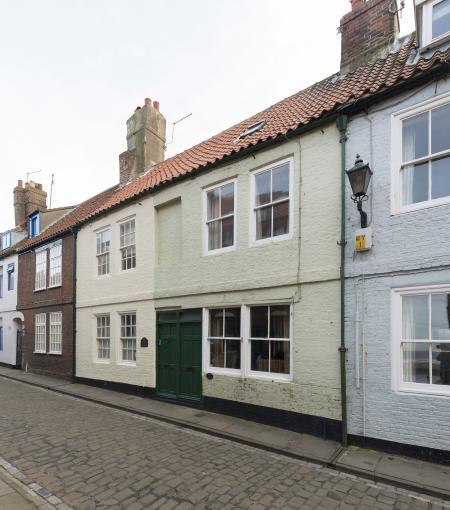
[(398, 284), (10, 319), (46, 291), (214, 276)]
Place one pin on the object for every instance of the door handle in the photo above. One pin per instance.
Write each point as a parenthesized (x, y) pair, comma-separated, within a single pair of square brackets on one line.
[(190, 369), (166, 365)]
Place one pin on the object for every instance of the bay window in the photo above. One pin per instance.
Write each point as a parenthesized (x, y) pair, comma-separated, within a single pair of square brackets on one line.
[(422, 339), (272, 202)]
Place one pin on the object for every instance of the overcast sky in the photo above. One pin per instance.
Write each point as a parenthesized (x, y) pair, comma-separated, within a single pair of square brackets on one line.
[(72, 72)]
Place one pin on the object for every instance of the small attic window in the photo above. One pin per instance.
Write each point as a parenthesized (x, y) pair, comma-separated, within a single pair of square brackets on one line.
[(252, 129)]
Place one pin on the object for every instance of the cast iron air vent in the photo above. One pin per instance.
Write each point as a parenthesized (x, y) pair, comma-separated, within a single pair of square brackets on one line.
[(252, 129)]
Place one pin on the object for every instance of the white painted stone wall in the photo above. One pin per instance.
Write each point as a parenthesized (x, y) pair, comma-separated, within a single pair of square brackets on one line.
[(409, 249), (10, 318), (118, 292)]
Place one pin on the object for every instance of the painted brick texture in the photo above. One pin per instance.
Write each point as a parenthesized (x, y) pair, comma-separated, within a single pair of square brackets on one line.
[(409, 249), (31, 302)]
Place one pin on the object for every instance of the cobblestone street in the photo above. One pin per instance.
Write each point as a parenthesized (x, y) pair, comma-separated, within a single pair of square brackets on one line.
[(92, 457)]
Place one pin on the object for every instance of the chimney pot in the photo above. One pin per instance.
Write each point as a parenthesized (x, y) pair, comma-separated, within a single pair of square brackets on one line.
[(148, 101), (20, 183), (356, 4), (156, 105), (137, 108)]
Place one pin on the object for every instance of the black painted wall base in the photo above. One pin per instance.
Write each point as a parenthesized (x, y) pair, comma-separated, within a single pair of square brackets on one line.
[(129, 389), (407, 450), (297, 422)]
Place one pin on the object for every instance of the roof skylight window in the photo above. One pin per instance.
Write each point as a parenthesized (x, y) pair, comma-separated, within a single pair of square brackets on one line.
[(252, 129)]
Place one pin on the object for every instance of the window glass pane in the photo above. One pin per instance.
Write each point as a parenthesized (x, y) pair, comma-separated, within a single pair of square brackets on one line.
[(279, 321), (280, 182), (415, 137), (440, 128), (440, 178), (227, 199), (213, 199), (214, 235), (415, 183), (441, 363), (227, 232), (260, 355), (233, 354), (415, 317), (262, 185), (217, 353), (416, 363), (193, 315), (264, 223), (441, 18), (281, 219), (259, 322), (216, 322), (233, 322), (440, 317), (279, 357)]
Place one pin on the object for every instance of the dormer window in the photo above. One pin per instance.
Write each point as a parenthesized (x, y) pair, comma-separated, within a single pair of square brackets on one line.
[(34, 226), (433, 22), (6, 240)]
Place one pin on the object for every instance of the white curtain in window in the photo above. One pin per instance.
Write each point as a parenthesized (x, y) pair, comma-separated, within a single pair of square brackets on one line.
[(409, 332), (409, 151)]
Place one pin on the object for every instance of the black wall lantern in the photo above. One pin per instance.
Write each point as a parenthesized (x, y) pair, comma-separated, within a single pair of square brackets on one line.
[(359, 176)]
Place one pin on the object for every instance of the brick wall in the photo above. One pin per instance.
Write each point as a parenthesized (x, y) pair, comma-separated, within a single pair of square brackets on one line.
[(367, 31), (56, 299)]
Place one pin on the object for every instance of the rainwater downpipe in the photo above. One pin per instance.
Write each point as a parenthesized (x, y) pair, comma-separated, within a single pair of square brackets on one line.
[(341, 123)]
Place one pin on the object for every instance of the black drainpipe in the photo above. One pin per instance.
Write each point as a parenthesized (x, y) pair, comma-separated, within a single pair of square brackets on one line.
[(341, 123), (74, 303)]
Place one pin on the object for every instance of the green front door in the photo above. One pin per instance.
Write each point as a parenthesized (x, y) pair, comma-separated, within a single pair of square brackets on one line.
[(179, 354)]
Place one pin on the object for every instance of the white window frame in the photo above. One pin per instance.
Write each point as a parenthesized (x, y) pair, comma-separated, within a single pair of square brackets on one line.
[(124, 247), (122, 361), (97, 359), (41, 282), (398, 385), (40, 321), (55, 263), (102, 254), (245, 370), (397, 119), (206, 250), (6, 240), (207, 351), (55, 332), (253, 174), (427, 25)]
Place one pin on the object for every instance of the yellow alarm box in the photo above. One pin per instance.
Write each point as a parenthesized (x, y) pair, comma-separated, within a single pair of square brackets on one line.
[(363, 239)]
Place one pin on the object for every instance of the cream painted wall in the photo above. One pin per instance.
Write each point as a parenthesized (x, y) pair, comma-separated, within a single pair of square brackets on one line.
[(118, 292), (174, 271)]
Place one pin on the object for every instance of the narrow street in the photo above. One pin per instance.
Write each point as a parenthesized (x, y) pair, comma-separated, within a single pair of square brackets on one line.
[(93, 457)]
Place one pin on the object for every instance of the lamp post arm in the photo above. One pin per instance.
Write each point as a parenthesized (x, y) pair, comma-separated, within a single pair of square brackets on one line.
[(362, 213)]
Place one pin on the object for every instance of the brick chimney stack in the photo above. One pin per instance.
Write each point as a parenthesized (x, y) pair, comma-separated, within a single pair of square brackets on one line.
[(368, 32), (27, 200), (146, 140)]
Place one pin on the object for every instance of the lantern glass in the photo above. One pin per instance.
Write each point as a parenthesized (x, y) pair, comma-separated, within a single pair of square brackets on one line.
[(359, 177)]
